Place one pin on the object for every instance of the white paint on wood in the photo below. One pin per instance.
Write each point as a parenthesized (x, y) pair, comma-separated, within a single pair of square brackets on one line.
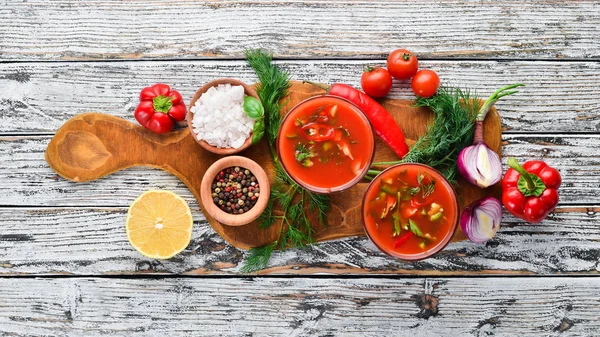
[(560, 97), (300, 307), (154, 29), (40, 97), (92, 241)]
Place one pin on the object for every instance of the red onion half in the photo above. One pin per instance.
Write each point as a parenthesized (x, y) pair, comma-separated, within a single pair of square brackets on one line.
[(481, 219), (479, 165)]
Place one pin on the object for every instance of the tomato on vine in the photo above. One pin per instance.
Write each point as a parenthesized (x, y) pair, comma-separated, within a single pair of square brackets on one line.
[(376, 81), (402, 64)]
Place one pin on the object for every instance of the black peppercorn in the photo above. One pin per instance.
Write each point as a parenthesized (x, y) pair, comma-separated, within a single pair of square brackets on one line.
[(235, 190)]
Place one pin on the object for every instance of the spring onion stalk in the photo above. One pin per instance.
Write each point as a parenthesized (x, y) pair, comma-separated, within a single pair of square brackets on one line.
[(478, 164), (481, 219)]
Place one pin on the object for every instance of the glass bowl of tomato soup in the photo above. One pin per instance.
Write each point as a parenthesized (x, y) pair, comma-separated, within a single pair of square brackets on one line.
[(410, 211), (326, 144)]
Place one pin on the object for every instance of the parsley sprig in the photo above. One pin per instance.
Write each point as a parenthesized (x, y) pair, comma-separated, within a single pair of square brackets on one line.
[(295, 229)]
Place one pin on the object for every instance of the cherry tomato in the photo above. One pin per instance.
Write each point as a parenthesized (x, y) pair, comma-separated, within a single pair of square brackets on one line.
[(376, 82), (425, 83), (402, 64)]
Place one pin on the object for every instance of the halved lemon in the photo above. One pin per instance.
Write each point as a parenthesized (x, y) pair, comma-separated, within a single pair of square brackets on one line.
[(159, 224)]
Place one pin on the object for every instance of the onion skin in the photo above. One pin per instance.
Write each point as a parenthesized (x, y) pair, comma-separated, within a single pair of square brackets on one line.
[(479, 165), (481, 219)]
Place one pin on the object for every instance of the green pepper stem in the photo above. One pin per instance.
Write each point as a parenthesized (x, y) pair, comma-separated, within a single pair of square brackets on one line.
[(512, 162), (504, 91), (373, 172), (384, 163), (162, 103)]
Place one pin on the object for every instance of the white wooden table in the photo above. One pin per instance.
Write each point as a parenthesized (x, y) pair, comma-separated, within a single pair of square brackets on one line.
[(67, 269)]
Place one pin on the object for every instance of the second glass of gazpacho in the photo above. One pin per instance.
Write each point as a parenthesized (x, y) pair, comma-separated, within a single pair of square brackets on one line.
[(326, 144), (410, 211)]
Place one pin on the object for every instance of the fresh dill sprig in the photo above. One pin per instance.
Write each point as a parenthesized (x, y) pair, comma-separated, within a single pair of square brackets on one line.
[(454, 113), (258, 256), (273, 87), (267, 218), (425, 189), (295, 228), (452, 129), (321, 204)]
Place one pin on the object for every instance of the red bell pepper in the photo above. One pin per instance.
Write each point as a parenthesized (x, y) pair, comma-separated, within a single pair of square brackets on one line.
[(530, 191), (159, 108)]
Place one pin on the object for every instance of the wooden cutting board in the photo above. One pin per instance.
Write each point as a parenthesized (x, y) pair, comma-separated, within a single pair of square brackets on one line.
[(94, 145)]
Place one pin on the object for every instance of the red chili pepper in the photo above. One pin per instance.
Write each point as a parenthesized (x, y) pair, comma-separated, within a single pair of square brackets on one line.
[(159, 108), (530, 191), (385, 126), (402, 239), (318, 132)]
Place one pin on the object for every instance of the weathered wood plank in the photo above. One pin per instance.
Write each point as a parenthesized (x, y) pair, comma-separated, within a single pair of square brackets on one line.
[(28, 180), (301, 307), (92, 241), (40, 97), (67, 30)]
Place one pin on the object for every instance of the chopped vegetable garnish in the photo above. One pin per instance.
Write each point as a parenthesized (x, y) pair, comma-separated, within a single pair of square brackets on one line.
[(339, 138), (436, 216), (421, 214), (414, 228)]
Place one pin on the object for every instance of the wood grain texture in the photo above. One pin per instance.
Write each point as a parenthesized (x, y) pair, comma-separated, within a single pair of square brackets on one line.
[(92, 241), (28, 181), (68, 30), (91, 146), (420, 307), (40, 97)]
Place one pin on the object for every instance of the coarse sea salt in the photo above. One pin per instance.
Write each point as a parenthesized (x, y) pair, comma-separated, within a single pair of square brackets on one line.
[(219, 117)]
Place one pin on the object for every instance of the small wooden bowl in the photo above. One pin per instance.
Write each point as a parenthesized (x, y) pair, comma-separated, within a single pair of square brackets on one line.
[(220, 151), (222, 216)]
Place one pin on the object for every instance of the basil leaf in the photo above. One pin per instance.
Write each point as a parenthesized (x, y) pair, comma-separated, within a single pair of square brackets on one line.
[(258, 131), (257, 136), (253, 107)]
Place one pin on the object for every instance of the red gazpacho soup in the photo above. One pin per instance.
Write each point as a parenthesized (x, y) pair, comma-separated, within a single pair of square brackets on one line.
[(326, 144), (410, 211)]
